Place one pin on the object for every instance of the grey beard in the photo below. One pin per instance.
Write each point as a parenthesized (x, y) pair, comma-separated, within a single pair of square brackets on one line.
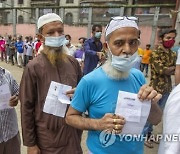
[(114, 73)]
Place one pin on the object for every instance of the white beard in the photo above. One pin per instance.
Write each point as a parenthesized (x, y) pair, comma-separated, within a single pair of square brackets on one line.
[(112, 72)]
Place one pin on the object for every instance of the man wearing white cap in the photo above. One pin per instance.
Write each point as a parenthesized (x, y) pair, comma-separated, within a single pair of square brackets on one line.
[(97, 92), (45, 131)]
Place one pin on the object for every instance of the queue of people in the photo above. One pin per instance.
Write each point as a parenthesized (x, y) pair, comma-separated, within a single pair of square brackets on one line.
[(91, 76)]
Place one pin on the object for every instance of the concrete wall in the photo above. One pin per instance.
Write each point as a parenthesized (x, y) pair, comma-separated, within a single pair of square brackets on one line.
[(74, 31)]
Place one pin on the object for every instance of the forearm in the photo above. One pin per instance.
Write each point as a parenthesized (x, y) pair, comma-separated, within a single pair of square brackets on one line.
[(82, 123), (177, 75), (155, 114)]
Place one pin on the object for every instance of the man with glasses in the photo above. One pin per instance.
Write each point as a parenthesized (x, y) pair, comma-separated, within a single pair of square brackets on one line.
[(97, 92)]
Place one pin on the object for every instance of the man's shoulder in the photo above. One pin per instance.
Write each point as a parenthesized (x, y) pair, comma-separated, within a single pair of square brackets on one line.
[(37, 61), (95, 75)]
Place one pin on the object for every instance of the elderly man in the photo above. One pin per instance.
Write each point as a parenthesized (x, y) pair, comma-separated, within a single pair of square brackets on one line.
[(9, 134), (97, 92), (44, 131)]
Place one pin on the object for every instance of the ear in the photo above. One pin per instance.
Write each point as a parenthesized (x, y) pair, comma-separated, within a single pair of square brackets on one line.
[(105, 47), (41, 38)]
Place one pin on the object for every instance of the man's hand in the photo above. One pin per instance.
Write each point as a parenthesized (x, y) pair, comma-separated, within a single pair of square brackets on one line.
[(70, 93), (148, 93), (33, 150), (170, 70), (13, 101), (100, 55), (111, 122)]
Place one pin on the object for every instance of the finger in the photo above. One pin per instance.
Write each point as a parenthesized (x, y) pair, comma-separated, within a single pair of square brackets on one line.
[(152, 95), (70, 91), (116, 131), (118, 121), (118, 127), (13, 97), (70, 95), (156, 98), (141, 90), (118, 117), (145, 93)]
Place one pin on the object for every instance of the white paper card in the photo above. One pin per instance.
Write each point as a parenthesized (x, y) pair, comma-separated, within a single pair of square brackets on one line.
[(5, 96), (56, 99), (134, 111)]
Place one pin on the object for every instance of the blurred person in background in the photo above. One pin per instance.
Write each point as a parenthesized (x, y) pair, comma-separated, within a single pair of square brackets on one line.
[(3, 49), (71, 48), (145, 59), (92, 49), (20, 49), (163, 63)]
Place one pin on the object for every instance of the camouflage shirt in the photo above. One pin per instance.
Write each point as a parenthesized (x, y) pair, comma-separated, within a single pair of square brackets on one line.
[(160, 60)]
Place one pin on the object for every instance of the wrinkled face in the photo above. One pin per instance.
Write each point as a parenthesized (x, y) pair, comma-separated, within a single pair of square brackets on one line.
[(53, 29), (169, 36), (124, 41)]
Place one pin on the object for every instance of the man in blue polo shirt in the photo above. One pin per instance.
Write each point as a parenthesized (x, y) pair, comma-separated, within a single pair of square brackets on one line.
[(92, 49), (97, 92), (19, 47)]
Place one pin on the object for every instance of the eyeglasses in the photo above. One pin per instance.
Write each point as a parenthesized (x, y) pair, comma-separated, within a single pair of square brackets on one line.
[(132, 18), (124, 17)]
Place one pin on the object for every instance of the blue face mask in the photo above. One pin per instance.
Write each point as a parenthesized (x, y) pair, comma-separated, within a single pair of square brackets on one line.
[(123, 63), (55, 41), (98, 35)]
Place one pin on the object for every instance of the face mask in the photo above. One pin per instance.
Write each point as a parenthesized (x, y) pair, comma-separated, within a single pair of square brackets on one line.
[(121, 63), (98, 35), (79, 45), (55, 41), (168, 44), (36, 39), (66, 42)]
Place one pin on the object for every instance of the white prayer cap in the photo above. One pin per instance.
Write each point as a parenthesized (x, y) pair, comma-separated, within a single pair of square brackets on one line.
[(47, 18), (120, 22)]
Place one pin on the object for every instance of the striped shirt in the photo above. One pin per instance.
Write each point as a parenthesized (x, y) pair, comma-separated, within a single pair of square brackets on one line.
[(8, 117)]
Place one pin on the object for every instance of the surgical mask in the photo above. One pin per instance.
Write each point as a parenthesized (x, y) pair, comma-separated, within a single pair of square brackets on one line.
[(168, 44), (98, 35), (79, 45), (55, 41), (122, 63), (66, 42)]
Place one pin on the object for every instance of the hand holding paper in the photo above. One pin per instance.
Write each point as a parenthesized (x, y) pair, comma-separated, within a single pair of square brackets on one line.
[(134, 111)]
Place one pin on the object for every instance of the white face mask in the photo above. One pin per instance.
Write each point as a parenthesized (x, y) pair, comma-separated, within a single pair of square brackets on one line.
[(98, 35), (66, 42), (122, 63), (55, 41)]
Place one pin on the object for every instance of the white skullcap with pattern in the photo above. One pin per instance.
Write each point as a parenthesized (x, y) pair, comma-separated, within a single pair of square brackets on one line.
[(120, 22), (47, 18)]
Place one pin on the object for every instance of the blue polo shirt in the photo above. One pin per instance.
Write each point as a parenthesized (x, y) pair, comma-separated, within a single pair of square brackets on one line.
[(91, 59), (19, 46), (98, 94)]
